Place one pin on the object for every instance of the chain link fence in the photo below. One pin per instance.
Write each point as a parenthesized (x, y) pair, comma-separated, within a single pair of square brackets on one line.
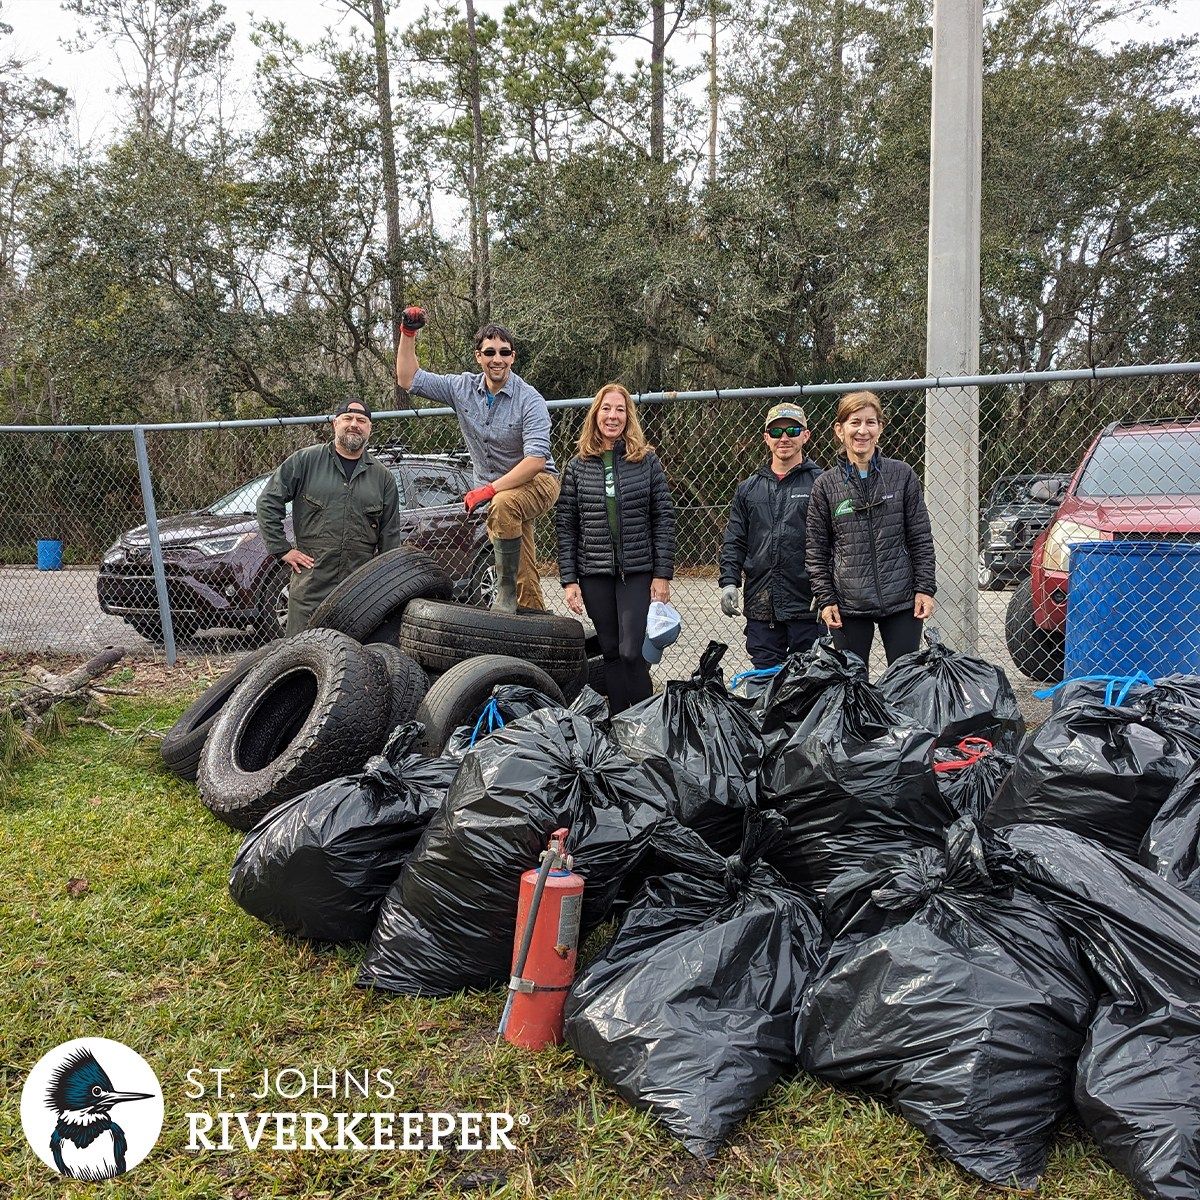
[(77, 562)]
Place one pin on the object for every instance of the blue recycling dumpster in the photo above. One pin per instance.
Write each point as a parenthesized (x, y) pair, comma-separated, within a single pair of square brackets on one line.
[(1133, 606), (49, 554)]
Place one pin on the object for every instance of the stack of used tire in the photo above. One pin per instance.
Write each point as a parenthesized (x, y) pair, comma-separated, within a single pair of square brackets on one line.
[(311, 708)]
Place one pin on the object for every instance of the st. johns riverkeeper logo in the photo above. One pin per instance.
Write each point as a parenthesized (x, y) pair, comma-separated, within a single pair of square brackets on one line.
[(92, 1108)]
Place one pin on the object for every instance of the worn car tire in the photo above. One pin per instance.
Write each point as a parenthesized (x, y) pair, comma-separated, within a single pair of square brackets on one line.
[(439, 636), (185, 739), (597, 677), (460, 694), (1037, 653), (408, 682), (315, 708), (368, 603)]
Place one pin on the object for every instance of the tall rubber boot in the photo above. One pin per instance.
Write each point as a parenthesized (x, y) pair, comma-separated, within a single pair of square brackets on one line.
[(508, 561)]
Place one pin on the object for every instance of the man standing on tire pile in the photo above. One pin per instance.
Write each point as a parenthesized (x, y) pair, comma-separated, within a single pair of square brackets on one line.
[(765, 542), (345, 510), (506, 426)]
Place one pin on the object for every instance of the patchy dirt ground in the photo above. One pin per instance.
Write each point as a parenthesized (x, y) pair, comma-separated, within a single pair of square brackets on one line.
[(144, 676)]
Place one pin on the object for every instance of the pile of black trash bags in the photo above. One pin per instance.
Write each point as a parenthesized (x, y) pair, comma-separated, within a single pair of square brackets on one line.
[(891, 886)]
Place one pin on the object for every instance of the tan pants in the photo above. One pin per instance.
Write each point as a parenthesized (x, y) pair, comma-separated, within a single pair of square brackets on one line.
[(513, 513)]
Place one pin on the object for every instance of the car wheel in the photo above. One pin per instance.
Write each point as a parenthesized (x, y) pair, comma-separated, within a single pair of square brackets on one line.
[(986, 578), (185, 740), (272, 606), (315, 708), (481, 591), (1038, 653), (459, 695), (984, 575), (439, 636), (368, 604)]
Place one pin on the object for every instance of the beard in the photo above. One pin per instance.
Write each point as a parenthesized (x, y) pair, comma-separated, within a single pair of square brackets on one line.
[(350, 442)]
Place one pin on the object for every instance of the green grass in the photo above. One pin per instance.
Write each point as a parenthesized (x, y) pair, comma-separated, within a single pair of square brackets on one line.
[(154, 953)]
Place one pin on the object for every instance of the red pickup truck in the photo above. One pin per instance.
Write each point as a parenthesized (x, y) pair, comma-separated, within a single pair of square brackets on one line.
[(1138, 480)]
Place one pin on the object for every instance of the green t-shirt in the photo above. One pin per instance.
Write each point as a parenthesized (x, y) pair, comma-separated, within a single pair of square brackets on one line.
[(610, 496)]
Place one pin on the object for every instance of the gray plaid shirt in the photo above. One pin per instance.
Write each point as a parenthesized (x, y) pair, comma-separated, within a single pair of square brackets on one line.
[(514, 426)]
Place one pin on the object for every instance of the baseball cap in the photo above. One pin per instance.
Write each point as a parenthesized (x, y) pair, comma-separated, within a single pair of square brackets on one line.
[(353, 406), (786, 412), (662, 630)]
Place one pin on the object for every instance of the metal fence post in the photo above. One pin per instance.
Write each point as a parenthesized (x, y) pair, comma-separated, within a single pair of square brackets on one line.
[(952, 314), (160, 575)]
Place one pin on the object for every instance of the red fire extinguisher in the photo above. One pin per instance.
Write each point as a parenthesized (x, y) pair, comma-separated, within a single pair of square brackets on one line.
[(544, 949)]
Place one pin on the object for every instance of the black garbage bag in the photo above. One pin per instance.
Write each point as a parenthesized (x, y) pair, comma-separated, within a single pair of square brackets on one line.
[(750, 688), (954, 695), (707, 744), (1172, 844), (508, 702), (320, 865), (955, 995), (852, 774), (1096, 769), (1131, 691), (1137, 1089), (689, 1011), (511, 702), (969, 775), (447, 923)]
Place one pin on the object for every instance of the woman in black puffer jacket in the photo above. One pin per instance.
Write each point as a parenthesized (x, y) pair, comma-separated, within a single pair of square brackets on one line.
[(869, 548), (616, 538)]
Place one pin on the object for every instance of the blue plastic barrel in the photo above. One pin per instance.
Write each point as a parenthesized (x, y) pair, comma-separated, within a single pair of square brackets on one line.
[(49, 554), (1133, 606)]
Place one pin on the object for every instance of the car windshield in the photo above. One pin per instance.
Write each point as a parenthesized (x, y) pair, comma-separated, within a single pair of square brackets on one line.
[(1159, 463), (242, 501)]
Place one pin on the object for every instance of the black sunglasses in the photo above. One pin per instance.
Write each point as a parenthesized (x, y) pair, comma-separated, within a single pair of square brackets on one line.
[(507, 352), (779, 430)]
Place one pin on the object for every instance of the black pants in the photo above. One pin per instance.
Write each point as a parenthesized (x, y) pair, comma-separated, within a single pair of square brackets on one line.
[(901, 633), (769, 642), (618, 609)]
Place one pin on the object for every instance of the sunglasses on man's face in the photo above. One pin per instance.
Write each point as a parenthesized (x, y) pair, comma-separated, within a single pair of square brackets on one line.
[(779, 431), (491, 353)]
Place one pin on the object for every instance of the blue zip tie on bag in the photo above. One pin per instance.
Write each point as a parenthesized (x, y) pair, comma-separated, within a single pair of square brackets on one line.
[(758, 673), (1117, 687), (495, 720)]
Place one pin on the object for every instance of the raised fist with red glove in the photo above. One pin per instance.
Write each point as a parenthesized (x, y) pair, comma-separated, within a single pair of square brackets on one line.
[(477, 496), (412, 320)]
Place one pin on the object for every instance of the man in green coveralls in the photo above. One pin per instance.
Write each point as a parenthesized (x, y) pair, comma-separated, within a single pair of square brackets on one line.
[(345, 510)]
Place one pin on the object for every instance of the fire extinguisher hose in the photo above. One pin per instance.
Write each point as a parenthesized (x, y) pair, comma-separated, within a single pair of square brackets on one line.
[(549, 860)]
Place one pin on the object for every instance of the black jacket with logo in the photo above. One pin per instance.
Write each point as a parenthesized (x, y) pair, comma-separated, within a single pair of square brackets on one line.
[(646, 519), (765, 542), (870, 543)]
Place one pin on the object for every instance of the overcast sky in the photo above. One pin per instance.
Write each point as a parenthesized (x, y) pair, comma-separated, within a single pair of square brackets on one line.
[(40, 27)]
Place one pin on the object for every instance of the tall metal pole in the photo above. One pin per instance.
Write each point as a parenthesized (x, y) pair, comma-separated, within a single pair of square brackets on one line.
[(156, 558), (952, 314)]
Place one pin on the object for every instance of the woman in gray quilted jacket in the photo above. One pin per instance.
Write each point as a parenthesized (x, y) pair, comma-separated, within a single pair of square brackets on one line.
[(616, 538), (869, 548)]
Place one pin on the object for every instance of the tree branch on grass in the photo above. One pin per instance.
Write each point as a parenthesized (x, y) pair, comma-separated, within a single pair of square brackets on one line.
[(31, 709)]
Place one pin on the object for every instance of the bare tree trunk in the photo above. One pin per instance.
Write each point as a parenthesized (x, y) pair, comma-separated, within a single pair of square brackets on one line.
[(712, 92), (658, 93), (479, 190), (391, 188)]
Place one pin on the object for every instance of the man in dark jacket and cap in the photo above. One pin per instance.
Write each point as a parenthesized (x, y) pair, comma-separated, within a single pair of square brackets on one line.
[(764, 544), (345, 510)]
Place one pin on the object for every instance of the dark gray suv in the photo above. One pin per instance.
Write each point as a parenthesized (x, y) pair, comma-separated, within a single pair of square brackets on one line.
[(220, 575)]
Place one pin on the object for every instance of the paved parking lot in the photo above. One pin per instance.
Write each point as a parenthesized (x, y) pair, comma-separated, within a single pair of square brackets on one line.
[(58, 611)]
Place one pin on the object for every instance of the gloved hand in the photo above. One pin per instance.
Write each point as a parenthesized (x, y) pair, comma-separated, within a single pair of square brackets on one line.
[(729, 601), (412, 320), (477, 496)]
